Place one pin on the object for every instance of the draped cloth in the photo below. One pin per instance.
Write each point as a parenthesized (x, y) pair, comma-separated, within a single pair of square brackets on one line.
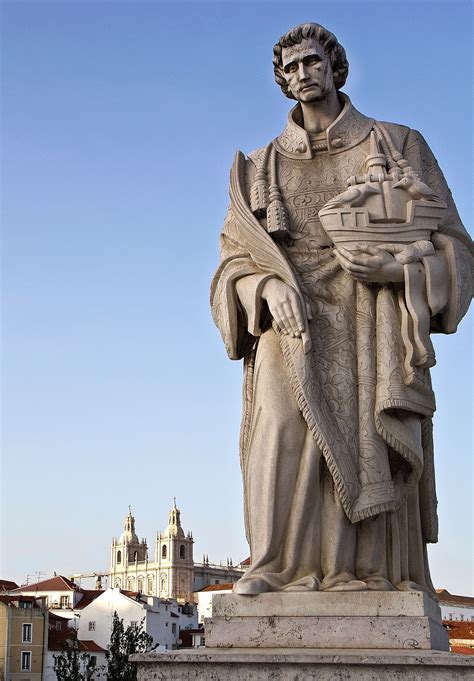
[(336, 443)]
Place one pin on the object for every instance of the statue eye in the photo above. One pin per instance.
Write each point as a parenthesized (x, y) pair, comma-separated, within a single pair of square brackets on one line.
[(312, 59), (291, 68)]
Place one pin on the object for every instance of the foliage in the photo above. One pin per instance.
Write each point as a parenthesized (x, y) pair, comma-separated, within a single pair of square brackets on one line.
[(71, 665), (125, 642)]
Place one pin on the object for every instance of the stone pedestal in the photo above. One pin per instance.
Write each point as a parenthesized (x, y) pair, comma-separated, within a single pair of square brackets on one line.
[(350, 619), (355, 636)]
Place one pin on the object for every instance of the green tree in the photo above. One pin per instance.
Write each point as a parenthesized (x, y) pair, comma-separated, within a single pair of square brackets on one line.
[(125, 642), (72, 665)]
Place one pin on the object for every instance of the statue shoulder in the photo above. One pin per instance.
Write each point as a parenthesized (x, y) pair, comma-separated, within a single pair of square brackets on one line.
[(398, 133), (257, 156)]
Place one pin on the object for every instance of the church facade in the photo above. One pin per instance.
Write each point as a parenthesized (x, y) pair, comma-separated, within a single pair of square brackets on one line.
[(172, 573)]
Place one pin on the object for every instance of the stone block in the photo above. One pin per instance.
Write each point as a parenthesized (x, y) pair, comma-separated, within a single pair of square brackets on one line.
[(326, 632), (375, 619), (327, 603)]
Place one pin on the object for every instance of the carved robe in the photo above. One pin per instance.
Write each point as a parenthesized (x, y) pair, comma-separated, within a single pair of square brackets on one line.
[(336, 445)]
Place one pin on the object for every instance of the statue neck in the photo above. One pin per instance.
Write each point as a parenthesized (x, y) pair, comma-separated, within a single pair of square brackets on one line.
[(318, 116)]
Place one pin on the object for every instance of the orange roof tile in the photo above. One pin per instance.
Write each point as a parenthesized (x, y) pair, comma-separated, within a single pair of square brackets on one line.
[(89, 596), (91, 647), (58, 583), (217, 587), (445, 597), (10, 599), (6, 585), (457, 629)]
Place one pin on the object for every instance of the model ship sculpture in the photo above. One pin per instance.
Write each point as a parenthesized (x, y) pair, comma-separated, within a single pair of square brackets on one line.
[(383, 208), (390, 207)]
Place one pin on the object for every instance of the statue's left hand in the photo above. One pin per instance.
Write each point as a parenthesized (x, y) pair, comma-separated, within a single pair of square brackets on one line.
[(370, 264)]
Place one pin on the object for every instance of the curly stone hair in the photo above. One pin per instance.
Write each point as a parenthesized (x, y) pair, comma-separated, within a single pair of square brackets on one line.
[(327, 40)]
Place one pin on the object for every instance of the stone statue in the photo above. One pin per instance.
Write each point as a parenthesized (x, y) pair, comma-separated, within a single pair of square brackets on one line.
[(341, 251)]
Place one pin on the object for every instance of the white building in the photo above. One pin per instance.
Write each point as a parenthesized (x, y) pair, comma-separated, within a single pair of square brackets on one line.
[(172, 573), (455, 608), (203, 599), (61, 594), (162, 618), (61, 634)]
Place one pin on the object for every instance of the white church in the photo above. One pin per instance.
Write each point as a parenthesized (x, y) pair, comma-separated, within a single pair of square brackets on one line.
[(172, 573)]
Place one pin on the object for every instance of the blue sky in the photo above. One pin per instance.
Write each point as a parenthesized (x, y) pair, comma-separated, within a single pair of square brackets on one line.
[(119, 124)]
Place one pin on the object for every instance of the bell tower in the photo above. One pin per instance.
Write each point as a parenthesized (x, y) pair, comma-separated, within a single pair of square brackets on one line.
[(174, 555), (127, 552)]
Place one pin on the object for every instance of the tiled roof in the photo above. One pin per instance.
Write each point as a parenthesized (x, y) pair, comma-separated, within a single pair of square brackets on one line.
[(460, 630), (6, 585), (91, 647), (9, 599), (217, 587), (89, 596), (445, 597), (461, 650), (58, 583)]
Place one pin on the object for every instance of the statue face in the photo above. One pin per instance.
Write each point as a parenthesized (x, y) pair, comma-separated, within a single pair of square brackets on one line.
[(307, 70)]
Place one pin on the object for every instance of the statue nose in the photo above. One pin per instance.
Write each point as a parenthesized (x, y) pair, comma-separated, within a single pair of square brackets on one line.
[(302, 72)]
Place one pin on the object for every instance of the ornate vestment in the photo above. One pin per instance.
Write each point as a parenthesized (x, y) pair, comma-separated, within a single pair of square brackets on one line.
[(370, 421)]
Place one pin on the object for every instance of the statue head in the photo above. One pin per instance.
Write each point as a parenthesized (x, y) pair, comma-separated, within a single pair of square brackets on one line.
[(326, 47)]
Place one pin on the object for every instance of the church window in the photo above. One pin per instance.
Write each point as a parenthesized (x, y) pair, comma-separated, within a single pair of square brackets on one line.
[(131, 583), (140, 584), (182, 551), (119, 557), (150, 586), (164, 551), (135, 556), (118, 583)]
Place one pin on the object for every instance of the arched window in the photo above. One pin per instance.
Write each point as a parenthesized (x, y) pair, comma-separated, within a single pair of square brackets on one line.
[(164, 551), (118, 583), (131, 583), (140, 584), (135, 556), (182, 551), (119, 557)]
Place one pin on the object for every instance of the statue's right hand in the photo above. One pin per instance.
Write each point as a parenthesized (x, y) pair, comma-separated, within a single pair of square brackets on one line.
[(285, 307)]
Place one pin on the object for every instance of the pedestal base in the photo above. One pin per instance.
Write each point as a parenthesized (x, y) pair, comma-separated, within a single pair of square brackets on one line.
[(327, 636), (210, 664)]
